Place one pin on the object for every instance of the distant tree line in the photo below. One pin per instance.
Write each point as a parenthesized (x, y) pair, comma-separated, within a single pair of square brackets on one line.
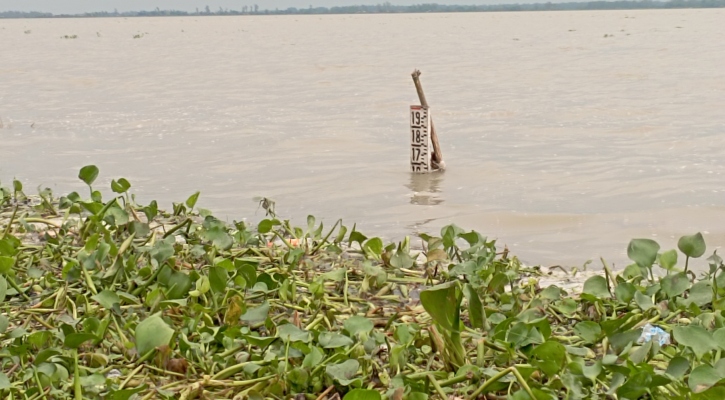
[(388, 8)]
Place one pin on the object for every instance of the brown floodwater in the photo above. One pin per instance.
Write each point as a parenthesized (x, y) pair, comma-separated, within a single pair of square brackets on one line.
[(565, 133)]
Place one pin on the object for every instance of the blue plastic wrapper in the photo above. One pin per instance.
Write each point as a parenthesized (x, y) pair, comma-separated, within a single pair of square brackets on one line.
[(650, 332)]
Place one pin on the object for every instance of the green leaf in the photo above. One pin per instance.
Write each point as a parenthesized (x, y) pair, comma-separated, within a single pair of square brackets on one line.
[(675, 285), (314, 358), (668, 259), (3, 288), (643, 251), (265, 226), (703, 377), (692, 246), (643, 301), (17, 185), (4, 381), (6, 264), (256, 314), (76, 339), (373, 247), (443, 303), (88, 174), (107, 299), (291, 333), (120, 186), (343, 372), (329, 340), (476, 312), (678, 367), (151, 333), (4, 323), (700, 293), (551, 357), (624, 292), (219, 237), (696, 338), (191, 201), (218, 278), (597, 286), (358, 324), (588, 330), (362, 394)]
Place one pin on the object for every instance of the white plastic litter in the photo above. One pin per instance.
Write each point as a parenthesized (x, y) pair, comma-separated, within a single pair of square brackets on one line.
[(650, 332)]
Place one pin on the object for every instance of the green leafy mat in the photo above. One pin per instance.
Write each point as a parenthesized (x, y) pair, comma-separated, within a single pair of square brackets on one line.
[(111, 299)]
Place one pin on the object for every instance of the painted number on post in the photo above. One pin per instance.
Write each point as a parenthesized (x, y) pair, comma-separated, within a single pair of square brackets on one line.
[(419, 139)]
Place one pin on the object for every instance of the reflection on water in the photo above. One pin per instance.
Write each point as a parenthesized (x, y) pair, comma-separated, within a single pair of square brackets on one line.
[(426, 189)]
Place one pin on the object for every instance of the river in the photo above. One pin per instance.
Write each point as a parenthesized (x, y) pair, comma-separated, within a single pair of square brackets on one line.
[(565, 133)]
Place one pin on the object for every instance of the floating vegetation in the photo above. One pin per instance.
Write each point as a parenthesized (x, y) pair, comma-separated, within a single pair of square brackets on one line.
[(69, 37), (107, 298)]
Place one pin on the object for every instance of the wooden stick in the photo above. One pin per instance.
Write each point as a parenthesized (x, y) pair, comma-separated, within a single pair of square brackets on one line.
[(437, 155)]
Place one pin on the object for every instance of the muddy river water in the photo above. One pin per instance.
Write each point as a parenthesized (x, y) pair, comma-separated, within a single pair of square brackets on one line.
[(565, 133)]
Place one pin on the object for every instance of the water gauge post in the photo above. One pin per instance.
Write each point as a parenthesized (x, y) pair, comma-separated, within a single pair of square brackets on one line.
[(420, 146), (425, 152)]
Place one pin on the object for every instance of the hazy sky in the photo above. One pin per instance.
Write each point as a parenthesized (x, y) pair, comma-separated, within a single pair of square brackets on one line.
[(81, 6)]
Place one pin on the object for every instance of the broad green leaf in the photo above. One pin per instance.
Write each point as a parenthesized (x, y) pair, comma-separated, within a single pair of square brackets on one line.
[(401, 259), (291, 333), (636, 386), (126, 394), (719, 337), (696, 338), (703, 377), (330, 340), (88, 174), (692, 246), (643, 251), (75, 340), (596, 286), (4, 323), (550, 357), (373, 247), (624, 292), (218, 278), (643, 301), (151, 333), (675, 285), (621, 340), (3, 288), (343, 372), (314, 358), (107, 299), (358, 324), (362, 394), (700, 293), (678, 367), (191, 201), (120, 186), (219, 237), (256, 314), (668, 259), (4, 381), (6, 264), (476, 312), (588, 330), (265, 226), (443, 302)]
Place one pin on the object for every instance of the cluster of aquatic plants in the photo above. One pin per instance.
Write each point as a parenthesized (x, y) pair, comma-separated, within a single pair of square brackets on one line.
[(107, 298)]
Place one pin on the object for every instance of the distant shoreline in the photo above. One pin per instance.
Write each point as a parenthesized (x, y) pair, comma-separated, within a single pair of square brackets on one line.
[(388, 8)]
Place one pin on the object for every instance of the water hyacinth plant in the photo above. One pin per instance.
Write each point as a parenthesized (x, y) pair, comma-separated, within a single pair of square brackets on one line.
[(108, 298)]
